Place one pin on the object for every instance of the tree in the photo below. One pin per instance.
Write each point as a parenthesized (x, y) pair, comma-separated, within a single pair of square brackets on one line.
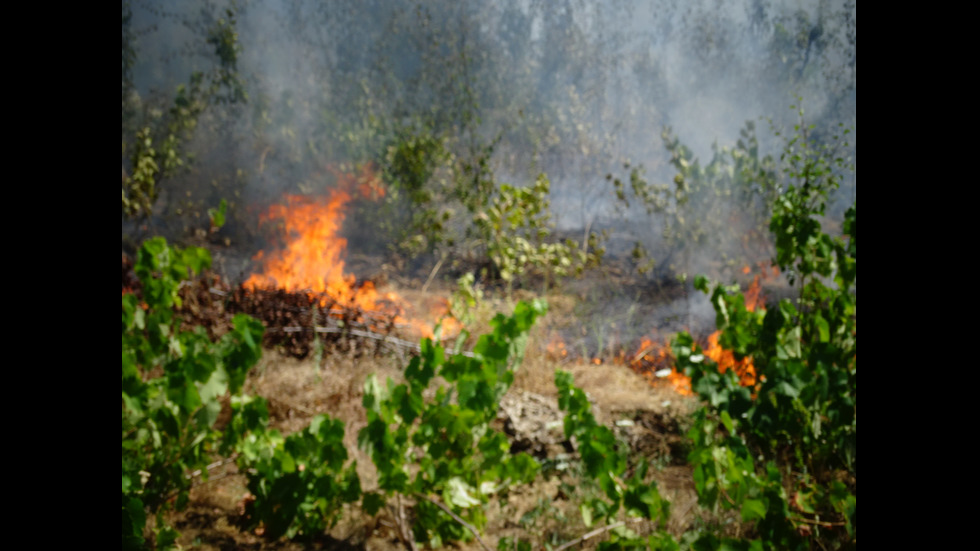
[(153, 140)]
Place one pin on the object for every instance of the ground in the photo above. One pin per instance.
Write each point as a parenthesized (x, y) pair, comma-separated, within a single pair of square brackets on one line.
[(651, 418)]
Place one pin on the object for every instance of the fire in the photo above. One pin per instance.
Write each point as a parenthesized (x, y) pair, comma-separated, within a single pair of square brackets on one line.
[(725, 359), (438, 308), (654, 361), (313, 257), (556, 348)]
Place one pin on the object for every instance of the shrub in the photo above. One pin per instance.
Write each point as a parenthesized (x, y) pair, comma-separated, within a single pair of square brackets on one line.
[(801, 418), (173, 382)]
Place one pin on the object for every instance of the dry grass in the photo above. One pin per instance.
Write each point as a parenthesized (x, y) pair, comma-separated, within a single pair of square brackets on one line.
[(297, 390)]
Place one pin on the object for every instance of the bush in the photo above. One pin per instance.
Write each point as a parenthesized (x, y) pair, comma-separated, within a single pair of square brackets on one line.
[(801, 418), (173, 383)]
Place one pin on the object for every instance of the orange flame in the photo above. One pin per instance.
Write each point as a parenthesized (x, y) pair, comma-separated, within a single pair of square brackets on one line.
[(556, 349), (652, 357), (725, 359), (438, 308), (313, 257)]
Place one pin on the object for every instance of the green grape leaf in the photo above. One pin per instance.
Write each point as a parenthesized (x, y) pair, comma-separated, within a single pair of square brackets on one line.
[(459, 493), (753, 509)]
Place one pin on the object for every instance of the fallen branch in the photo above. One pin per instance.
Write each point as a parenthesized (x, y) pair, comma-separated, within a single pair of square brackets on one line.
[(363, 334), (456, 517), (643, 352), (212, 466), (596, 532), (288, 406), (196, 473), (826, 524), (591, 534), (403, 530), (432, 274)]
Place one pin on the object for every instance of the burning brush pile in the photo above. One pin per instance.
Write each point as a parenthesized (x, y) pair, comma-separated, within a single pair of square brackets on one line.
[(301, 292)]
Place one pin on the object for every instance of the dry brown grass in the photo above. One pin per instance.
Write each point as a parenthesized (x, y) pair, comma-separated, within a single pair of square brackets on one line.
[(297, 390)]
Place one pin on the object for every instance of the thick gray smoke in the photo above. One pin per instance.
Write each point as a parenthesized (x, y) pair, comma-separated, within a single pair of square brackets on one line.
[(571, 88)]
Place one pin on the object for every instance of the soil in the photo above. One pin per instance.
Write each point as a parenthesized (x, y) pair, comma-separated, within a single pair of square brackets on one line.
[(651, 418), (645, 412)]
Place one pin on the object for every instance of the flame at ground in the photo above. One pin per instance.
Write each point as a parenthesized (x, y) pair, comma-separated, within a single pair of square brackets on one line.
[(656, 362), (313, 257), (556, 348), (725, 359)]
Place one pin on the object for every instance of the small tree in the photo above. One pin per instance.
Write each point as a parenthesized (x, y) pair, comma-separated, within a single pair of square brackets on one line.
[(801, 417), (153, 139)]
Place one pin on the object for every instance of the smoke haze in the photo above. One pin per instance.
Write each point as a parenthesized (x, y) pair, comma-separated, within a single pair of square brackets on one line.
[(571, 88)]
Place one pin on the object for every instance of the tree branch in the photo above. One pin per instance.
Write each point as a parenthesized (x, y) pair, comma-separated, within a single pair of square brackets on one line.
[(826, 524), (404, 532), (363, 334), (456, 517), (591, 534)]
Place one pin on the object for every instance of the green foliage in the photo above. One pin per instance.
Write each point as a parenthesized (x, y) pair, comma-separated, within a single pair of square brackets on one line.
[(417, 210), (173, 382), (801, 419), (441, 449), (153, 142), (301, 483), (515, 228), (217, 216), (604, 459), (412, 163), (466, 300), (226, 86), (719, 208), (439, 200)]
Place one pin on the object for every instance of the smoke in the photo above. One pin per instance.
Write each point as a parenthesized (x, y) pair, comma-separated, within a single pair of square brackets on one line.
[(571, 88)]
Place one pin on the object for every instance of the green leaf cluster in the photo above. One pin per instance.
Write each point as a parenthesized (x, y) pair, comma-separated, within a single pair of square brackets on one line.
[(300, 483), (438, 199), (516, 227), (154, 136), (722, 207), (439, 448), (605, 461), (417, 212), (801, 418), (173, 384)]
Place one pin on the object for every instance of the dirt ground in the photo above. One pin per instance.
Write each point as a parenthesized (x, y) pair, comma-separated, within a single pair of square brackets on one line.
[(651, 418)]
